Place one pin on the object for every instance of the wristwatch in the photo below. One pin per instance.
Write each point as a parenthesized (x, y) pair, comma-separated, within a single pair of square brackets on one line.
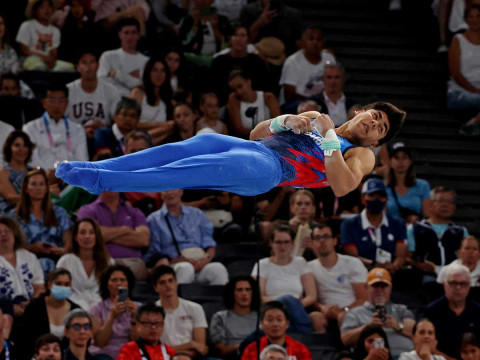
[(346, 308)]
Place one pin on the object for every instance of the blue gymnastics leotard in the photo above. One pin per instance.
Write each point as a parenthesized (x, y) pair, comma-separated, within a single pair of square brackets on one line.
[(209, 161)]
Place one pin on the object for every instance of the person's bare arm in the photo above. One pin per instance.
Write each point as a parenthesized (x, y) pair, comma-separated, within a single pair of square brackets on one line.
[(7, 191), (197, 345), (291, 94), (262, 283), (297, 123), (360, 291), (350, 337), (454, 59), (310, 289), (233, 108), (352, 250), (272, 104), (224, 349), (125, 236)]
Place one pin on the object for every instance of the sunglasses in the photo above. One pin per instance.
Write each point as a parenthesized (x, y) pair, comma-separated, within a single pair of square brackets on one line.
[(78, 327)]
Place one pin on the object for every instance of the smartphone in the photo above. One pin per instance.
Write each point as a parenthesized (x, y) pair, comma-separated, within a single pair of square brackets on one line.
[(122, 294), (378, 343), (380, 309)]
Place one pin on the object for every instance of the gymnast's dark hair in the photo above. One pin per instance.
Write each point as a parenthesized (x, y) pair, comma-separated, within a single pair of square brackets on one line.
[(396, 117)]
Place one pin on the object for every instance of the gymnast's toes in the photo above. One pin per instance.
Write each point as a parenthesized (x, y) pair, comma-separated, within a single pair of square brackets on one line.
[(84, 178)]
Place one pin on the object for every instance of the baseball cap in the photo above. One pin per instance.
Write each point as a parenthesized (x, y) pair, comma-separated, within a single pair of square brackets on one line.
[(374, 185), (399, 146), (377, 275)]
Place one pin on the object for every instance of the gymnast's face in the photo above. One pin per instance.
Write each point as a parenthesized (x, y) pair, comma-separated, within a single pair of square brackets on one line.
[(368, 127)]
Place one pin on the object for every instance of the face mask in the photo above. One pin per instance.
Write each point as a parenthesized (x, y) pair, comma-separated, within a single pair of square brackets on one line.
[(375, 206), (60, 292)]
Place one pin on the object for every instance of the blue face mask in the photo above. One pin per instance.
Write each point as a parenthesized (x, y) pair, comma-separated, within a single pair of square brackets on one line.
[(61, 292), (375, 206)]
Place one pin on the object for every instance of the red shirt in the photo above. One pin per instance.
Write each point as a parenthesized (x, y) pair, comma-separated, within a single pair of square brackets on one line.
[(131, 351), (295, 350)]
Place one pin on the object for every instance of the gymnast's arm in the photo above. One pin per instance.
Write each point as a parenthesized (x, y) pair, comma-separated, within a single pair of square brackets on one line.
[(300, 123)]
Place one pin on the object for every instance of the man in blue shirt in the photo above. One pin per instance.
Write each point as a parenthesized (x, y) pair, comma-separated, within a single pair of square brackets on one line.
[(376, 238), (184, 235)]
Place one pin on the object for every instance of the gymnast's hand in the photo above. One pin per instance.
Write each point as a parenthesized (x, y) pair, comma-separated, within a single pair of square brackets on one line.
[(299, 124), (323, 123)]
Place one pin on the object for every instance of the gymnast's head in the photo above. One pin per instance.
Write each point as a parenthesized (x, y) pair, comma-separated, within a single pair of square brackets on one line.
[(373, 124)]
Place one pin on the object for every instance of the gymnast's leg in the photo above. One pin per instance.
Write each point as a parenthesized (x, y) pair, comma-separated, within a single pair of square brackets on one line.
[(249, 170), (159, 155)]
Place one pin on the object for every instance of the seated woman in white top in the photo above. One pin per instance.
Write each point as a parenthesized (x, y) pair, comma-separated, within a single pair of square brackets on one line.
[(21, 272), (155, 96), (425, 343), (288, 279), (86, 259), (247, 107)]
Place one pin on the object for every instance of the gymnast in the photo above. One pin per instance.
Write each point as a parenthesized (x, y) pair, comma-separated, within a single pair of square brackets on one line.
[(302, 150)]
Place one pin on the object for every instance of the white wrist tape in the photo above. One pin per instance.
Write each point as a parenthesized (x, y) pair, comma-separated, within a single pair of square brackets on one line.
[(278, 124), (330, 143)]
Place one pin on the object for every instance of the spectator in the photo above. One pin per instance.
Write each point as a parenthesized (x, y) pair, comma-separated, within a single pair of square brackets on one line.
[(408, 197), (435, 241), (302, 207), (373, 236), (469, 348), (203, 31), (184, 234), (21, 272), (48, 347), (229, 327), (453, 314), (86, 259), (247, 107), (341, 279), (17, 152), (302, 72), (78, 331), (270, 350), (372, 344), (45, 314), (185, 323), (18, 101), (138, 140), (425, 343), (184, 117), (288, 279), (126, 118), (464, 85), (239, 59), (8, 57), (79, 31), (155, 97), (179, 75), (55, 137), (275, 320), (210, 108), (46, 227), (272, 18), (396, 319), (112, 13), (90, 99), (332, 100), (39, 40), (123, 67), (114, 316), (149, 328), (468, 255), (123, 228)]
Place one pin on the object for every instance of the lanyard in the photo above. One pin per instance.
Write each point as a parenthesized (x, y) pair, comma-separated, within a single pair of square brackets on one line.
[(49, 133), (7, 350), (373, 235)]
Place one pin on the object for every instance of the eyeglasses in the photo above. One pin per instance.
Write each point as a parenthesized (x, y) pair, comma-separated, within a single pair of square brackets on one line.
[(152, 324), (282, 242), (78, 327), (322, 237), (462, 284)]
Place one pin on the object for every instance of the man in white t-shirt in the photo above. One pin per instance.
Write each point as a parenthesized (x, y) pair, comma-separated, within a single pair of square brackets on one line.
[(341, 279), (185, 323), (123, 67), (56, 138), (91, 99), (302, 72)]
